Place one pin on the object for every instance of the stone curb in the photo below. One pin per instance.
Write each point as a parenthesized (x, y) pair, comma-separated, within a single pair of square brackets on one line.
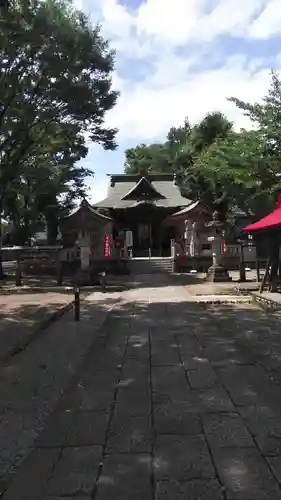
[(62, 289), (36, 332), (38, 329), (56, 404), (265, 303), (222, 301)]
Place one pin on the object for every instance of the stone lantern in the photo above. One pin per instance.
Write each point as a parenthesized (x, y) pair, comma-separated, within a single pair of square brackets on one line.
[(84, 243), (216, 273)]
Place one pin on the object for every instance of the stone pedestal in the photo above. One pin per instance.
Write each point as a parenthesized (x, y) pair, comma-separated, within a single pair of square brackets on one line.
[(217, 273), (85, 256)]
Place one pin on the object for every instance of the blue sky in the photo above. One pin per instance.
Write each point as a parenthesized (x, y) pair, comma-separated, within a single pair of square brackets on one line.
[(180, 58)]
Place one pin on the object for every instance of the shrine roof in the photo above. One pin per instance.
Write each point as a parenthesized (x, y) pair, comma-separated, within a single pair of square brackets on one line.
[(187, 209), (92, 211), (125, 190)]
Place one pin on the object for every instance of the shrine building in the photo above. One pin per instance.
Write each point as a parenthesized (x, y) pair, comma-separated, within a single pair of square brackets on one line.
[(144, 205)]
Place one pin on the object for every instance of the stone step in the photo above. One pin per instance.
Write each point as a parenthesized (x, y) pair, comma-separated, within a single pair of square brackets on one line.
[(220, 299), (150, 266)]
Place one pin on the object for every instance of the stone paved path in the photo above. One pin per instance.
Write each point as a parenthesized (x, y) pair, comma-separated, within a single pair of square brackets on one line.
[(174, 401)]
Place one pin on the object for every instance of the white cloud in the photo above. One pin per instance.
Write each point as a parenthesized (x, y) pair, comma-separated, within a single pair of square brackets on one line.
[(188, 73), (171, 88), (118, 19), (268, 23), (229, 17), (182, 21), (147, 112), (170, 21), (98, 189)]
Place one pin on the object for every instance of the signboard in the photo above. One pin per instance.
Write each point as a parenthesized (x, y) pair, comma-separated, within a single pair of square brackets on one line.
[(106, 245)]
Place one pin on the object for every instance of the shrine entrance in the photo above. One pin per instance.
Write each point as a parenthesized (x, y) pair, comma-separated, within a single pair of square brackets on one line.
[(150, 238), (140, 205)]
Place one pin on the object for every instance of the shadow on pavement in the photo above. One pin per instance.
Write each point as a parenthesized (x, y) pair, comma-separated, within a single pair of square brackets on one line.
[(172, 395)]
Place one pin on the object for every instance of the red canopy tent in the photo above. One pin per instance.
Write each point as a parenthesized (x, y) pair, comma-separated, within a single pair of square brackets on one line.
[(273, 219), (270, 220)]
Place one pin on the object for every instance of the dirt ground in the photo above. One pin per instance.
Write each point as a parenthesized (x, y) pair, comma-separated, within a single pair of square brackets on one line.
[(22, 313)]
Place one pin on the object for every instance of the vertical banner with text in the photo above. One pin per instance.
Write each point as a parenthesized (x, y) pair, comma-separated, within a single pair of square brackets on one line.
[(106, 245)]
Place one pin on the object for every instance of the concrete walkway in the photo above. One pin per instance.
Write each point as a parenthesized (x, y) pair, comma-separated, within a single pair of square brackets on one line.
[(173, 401)]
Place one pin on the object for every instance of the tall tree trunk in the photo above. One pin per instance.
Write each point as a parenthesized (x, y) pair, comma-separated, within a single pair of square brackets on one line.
[(52, 229), (274, 250)]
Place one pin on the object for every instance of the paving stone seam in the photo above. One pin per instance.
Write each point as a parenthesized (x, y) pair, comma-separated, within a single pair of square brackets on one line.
[(176, 340), (60, 406), (260, 453), (153, 430), (111, 413), (60, 403), (214, 320), (52, 468), (77, 377)]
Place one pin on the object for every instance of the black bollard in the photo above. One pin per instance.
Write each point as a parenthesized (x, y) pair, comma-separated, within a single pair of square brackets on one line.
[(242, 270), (59, 273), (18, 274), (103, 281), (76, 303)]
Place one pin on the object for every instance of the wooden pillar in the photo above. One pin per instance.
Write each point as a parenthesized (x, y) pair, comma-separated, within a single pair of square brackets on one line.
[(242, 271), (258, 269), (59, 269), (274, 257), (150, 238)]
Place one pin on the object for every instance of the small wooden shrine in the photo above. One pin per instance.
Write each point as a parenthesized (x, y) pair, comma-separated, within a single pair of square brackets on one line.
[(83, 234)]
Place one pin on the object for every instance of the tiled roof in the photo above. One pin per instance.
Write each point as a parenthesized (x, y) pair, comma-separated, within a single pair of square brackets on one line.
[(121, 185), (86, 205)]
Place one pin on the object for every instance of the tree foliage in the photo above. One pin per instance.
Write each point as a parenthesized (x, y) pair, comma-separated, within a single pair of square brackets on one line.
[(223, 167), (55, 89), (179, 153), (144, 159)]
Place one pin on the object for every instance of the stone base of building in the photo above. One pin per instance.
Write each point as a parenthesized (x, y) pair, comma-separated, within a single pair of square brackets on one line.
[(217, 274), (91, 275), (84, 277)]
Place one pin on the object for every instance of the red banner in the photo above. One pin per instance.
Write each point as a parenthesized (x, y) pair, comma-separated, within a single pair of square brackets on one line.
[(106, 245), (223, 247)]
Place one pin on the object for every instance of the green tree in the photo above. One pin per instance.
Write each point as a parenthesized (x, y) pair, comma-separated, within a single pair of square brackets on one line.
[(234, 167), (178, 153), (214, 126), (177, 138), (266, 119), (55, 70), (196, 183), (55, 180), (247, 164), (144, 159)]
